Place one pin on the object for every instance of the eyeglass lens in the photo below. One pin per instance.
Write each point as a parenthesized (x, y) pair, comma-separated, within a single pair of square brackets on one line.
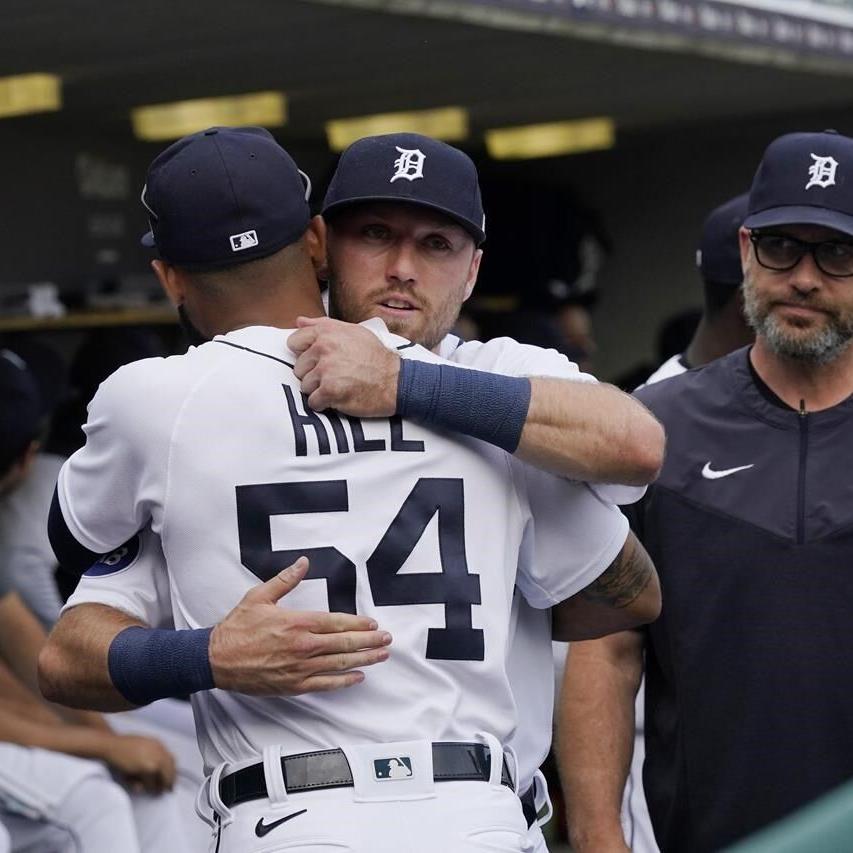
[(780, 252)]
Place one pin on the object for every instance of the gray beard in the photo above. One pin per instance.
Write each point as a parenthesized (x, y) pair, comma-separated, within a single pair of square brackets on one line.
[(817, 348)]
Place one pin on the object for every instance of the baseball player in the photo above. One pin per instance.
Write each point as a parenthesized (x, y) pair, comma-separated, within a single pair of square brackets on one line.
[(424, 524), (29, 564), (508, 360), (752, 551), (370, 274)]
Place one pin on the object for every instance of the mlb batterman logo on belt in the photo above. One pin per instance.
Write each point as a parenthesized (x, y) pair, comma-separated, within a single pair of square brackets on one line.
[(398, 767)]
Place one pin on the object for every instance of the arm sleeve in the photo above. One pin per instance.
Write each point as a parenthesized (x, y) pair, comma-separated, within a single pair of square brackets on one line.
[(507, 356), (133, 579), (109, 488), (572, 537)]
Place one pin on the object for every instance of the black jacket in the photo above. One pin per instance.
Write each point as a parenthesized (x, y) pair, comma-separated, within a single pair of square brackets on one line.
[(749, 670)]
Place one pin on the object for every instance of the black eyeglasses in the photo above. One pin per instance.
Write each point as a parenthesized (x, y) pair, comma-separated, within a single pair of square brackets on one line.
[(781, 253)]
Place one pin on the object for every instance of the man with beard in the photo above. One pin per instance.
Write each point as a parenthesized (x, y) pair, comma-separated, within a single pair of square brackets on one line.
[(217, 302), (410, 255), (751, 528)]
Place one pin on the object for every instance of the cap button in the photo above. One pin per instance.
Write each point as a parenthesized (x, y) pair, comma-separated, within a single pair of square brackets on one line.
[(212, 132), (831, 130)]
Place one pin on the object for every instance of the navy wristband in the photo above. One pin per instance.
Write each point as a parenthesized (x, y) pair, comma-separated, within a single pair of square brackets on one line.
[(146, 664), (488, 406)]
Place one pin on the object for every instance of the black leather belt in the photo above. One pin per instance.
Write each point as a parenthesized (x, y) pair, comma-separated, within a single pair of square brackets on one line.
[(329, 768)]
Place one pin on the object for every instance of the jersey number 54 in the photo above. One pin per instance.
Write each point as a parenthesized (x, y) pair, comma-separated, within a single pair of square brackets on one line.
[(454, 586)]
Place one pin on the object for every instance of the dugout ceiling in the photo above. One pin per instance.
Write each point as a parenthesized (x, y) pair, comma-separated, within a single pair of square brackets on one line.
[(684, 112), (338, 60)]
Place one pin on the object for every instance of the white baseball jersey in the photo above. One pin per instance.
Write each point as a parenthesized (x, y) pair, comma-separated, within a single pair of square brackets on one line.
[(421, 530), (530, 663), (674, 366)]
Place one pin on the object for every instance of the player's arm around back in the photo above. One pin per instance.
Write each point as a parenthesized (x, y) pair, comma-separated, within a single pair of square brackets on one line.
[(101, 658), (531, 402), (626, 595), (73, 665), (595, 737), (592, 432)]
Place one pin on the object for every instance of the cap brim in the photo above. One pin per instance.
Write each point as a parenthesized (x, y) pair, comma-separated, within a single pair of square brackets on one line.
[(477, 233), (795, 214), (147, 239)]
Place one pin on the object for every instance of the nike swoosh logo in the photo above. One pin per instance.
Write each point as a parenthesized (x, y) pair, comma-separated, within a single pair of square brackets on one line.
[(261, 828), (710, 474)]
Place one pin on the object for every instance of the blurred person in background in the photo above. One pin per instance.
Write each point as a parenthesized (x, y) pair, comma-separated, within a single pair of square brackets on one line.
[(721, 329), (56, 792), (749, 524), (29, 564), (538, 281), (671, 340)]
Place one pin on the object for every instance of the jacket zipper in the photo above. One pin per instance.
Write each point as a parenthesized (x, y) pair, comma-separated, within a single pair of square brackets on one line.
[(801, 483)]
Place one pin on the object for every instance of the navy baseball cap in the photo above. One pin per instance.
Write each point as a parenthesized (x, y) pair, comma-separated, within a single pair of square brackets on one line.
[(804, 179), (409, 168), (224, 196), (718, 255), (21, 407)]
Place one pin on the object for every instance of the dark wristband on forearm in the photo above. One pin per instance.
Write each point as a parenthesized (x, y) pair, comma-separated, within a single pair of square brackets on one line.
[(146, 664), (488, 406)]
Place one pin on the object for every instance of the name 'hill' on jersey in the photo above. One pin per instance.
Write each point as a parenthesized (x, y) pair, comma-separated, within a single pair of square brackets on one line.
[(418, 529)]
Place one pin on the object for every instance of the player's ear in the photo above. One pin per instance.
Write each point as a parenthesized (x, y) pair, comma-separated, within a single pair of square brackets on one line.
[(171, 282), (743, 237), (315, 239), (473, 272)]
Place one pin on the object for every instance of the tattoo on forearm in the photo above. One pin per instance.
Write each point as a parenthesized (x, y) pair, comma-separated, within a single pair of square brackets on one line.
[(623, 580)]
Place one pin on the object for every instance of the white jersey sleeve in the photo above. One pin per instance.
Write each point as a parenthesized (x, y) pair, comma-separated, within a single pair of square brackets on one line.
[(108, 488), (573, 536), (673, 366), (507, 356), (132, 579)]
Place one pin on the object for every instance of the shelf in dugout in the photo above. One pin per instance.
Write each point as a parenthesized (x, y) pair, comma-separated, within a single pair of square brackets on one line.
[(159, 315)]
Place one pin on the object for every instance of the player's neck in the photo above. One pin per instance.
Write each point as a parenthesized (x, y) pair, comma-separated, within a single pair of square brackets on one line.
[(280, 313)]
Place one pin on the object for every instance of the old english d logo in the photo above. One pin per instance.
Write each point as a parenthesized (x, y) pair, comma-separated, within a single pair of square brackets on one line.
[(409, 165), (398, 767), (822, 171)]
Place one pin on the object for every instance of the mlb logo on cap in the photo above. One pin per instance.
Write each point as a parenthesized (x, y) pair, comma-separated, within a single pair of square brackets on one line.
[(224, 196), (246, 240), (398, 767)]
